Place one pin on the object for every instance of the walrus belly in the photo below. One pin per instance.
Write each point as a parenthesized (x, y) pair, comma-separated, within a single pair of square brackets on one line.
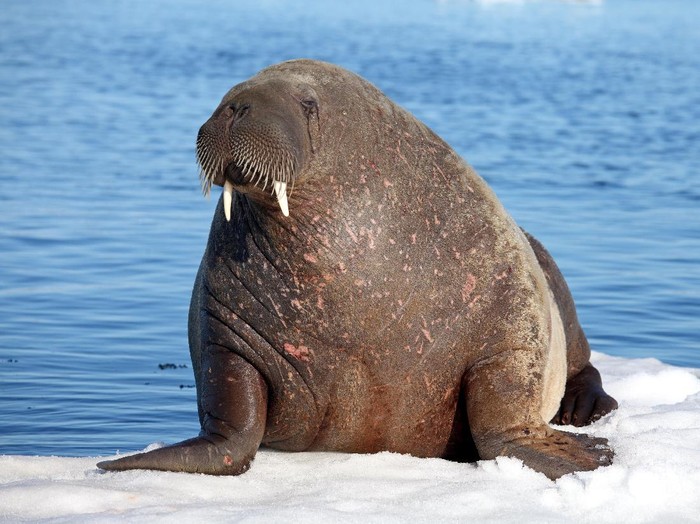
[(555, 367)]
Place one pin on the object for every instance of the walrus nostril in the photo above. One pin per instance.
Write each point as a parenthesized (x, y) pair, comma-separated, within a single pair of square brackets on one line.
[(237, 111)]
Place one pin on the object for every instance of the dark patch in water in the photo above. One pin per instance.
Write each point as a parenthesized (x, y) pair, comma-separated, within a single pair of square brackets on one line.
[(172, 366)]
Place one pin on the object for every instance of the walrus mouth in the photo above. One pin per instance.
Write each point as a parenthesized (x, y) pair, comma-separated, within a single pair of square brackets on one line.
[(274, 170), (279, 188)]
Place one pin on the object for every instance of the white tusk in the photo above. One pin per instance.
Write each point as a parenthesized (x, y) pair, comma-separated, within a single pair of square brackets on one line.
[(228, 198), (281, 192)]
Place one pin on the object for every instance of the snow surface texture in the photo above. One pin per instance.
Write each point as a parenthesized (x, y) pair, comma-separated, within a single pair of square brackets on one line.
[(655, 476)]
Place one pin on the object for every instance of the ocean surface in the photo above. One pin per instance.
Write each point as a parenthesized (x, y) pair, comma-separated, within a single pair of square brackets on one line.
[(584, 117)]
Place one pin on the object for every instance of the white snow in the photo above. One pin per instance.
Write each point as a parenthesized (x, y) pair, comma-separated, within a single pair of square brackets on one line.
[(655, 476)]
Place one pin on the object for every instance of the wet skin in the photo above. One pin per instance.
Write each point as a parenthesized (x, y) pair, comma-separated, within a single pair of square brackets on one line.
[(363, 290)]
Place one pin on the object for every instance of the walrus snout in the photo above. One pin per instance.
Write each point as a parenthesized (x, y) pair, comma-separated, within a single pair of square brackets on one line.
[(249, 143)]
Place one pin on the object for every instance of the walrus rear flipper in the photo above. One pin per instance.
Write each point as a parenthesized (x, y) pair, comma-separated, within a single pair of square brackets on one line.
[(585, 400), (232, 430)]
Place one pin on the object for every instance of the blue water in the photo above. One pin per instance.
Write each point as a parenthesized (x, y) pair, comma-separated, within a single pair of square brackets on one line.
[(585, 119)]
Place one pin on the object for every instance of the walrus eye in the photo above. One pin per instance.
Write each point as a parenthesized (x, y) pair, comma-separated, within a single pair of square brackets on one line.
[(309, 104)]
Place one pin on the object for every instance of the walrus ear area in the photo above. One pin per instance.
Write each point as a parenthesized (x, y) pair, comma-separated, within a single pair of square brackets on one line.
[(309, 104)]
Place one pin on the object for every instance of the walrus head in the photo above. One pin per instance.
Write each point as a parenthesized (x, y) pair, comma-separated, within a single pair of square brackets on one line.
[(258, 140)]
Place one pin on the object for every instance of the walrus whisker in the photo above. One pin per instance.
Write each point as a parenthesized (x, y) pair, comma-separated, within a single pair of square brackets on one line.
[(245, 168), (206, 183), (257, 176), (291, 190)]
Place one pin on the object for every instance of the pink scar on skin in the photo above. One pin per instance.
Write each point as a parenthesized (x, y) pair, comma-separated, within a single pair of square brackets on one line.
[(503, 275), (300, 353), (351, 233), (468, 287)]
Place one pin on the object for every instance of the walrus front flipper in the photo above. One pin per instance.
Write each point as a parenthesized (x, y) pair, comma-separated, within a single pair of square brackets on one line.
[(211, 455), (585, 400), (232, 429)]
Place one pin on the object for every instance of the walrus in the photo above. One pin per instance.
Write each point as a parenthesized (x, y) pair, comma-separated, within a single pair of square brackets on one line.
[(364, 290)]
